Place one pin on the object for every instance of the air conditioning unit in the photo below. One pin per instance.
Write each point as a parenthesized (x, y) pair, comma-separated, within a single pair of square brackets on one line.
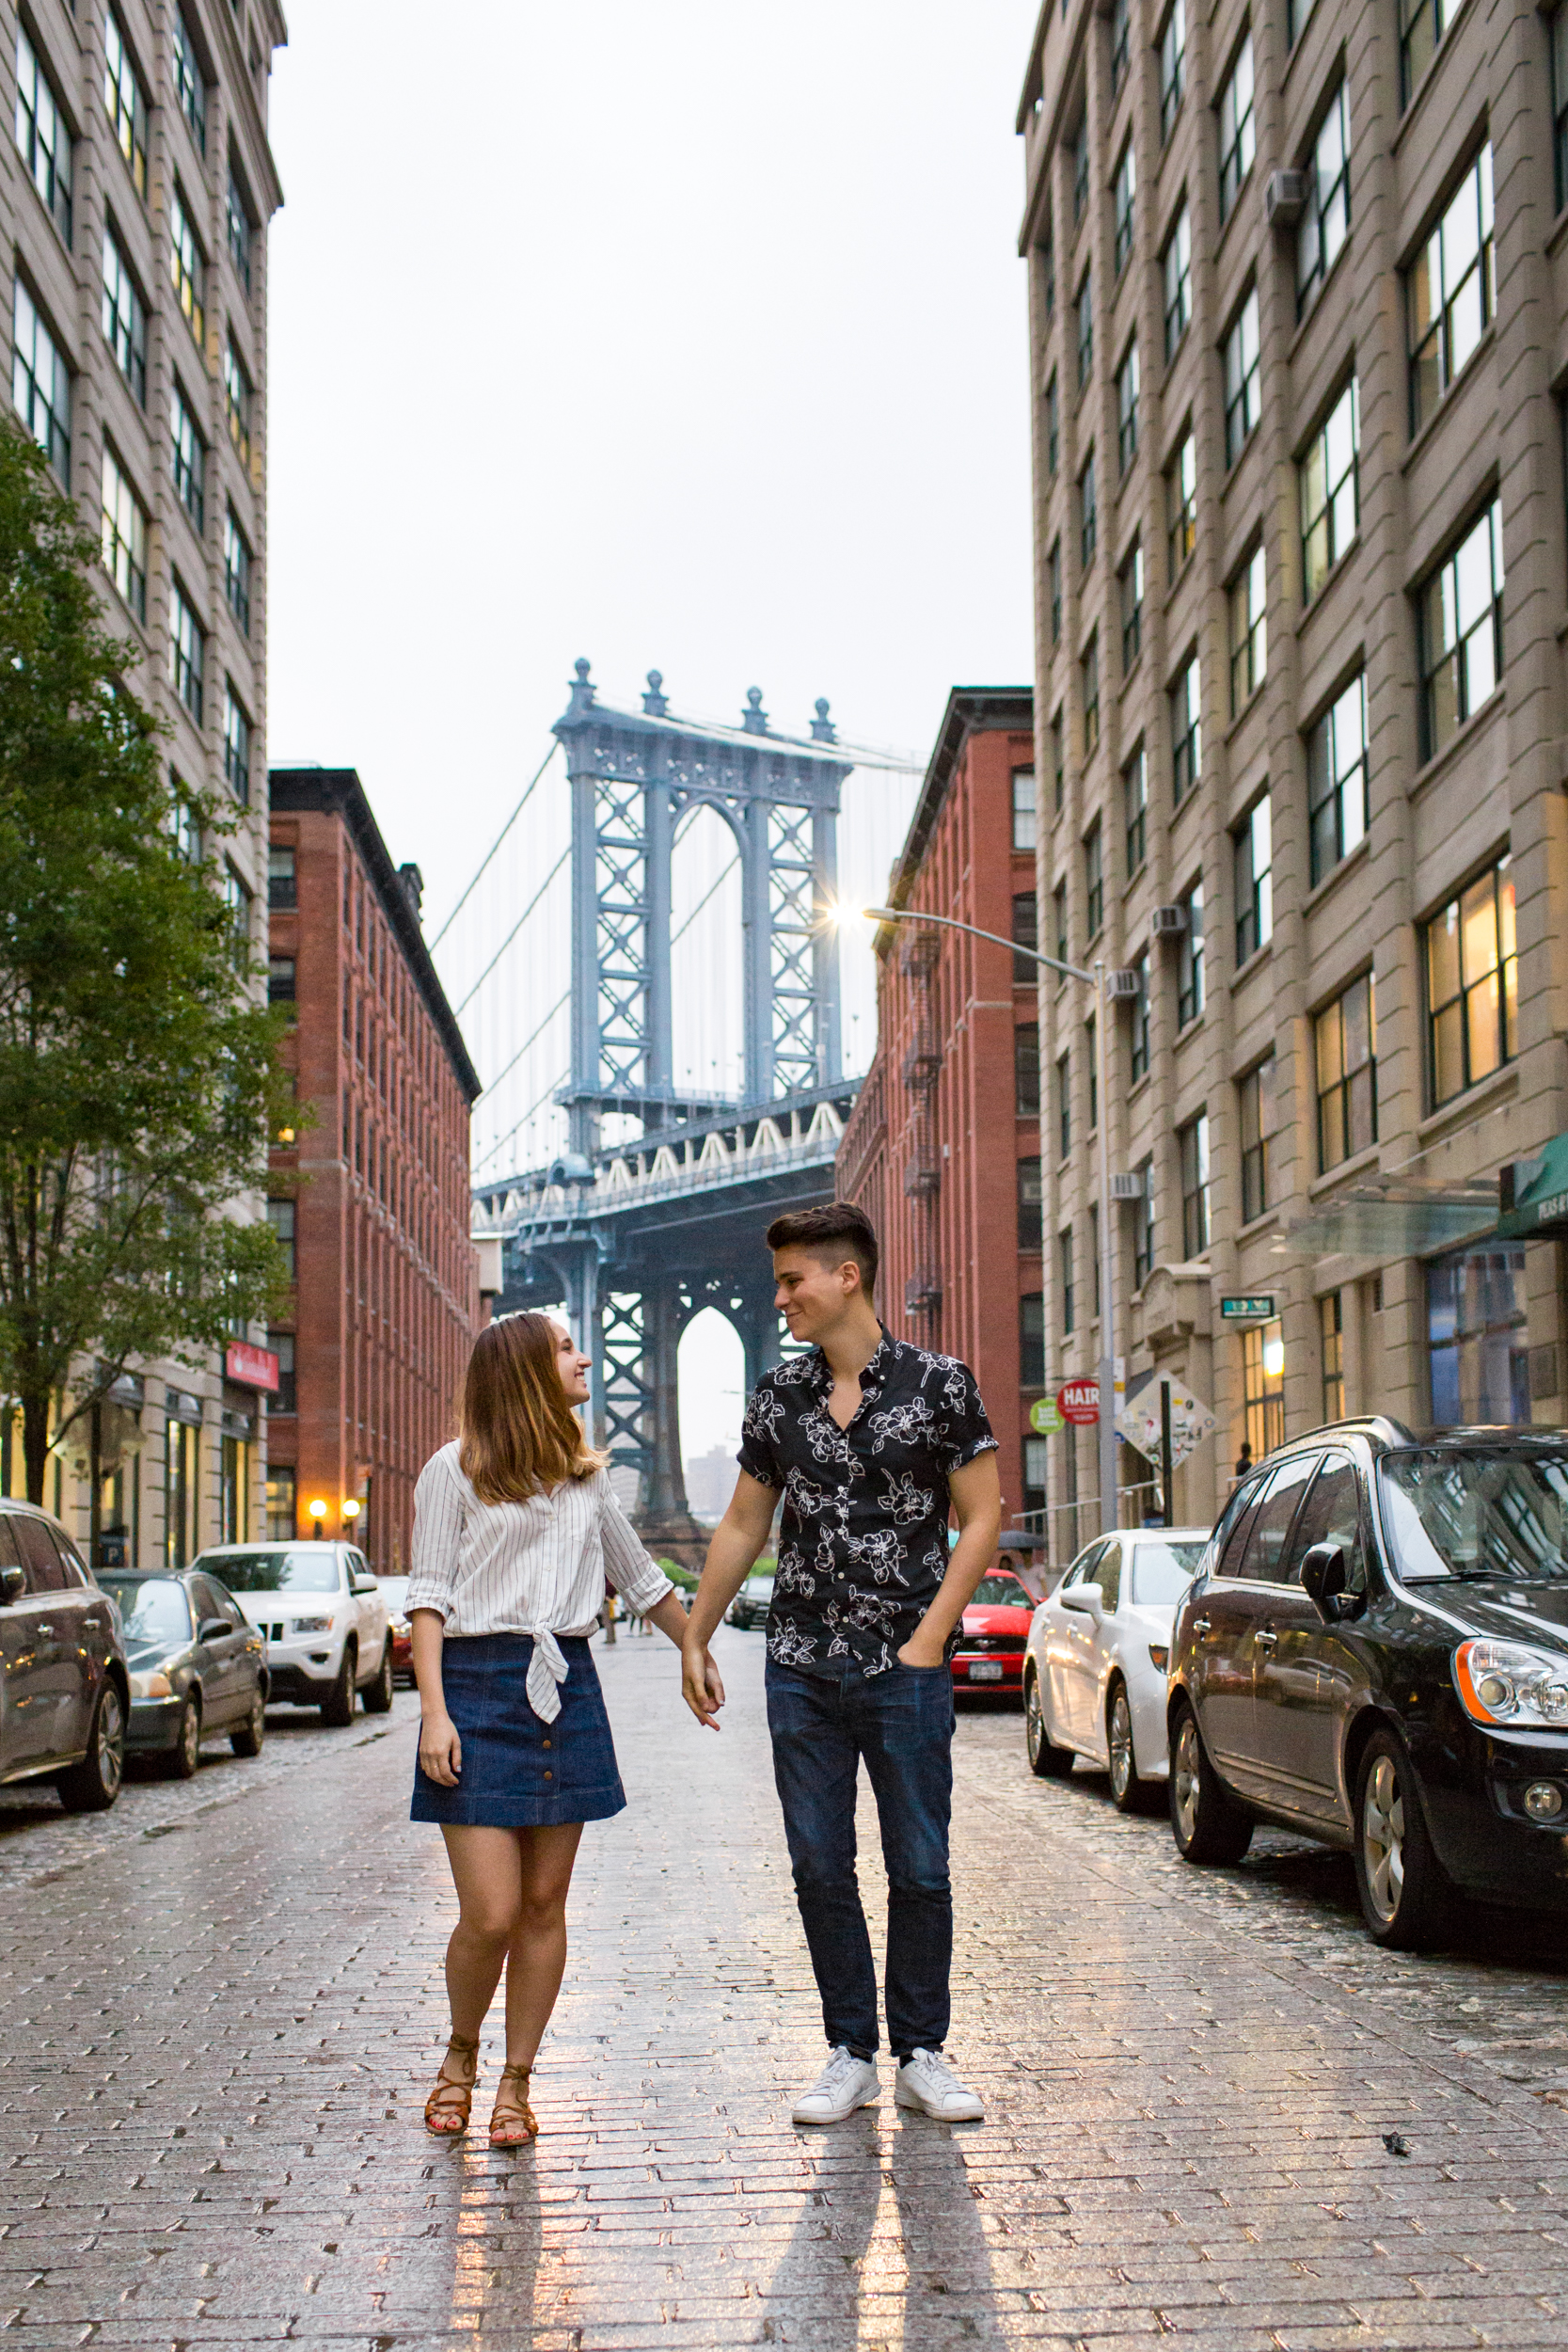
[(1129, 1187), (1123, 986), (1285, 197), (1167, 922)]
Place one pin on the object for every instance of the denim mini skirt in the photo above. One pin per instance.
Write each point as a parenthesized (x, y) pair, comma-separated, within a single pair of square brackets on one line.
[(517, 1771)]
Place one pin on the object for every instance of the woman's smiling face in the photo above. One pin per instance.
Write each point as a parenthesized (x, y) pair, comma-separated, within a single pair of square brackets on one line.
[(573, 1366)]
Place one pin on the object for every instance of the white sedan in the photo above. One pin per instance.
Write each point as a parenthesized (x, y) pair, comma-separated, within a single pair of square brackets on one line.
[(1094, 1671)]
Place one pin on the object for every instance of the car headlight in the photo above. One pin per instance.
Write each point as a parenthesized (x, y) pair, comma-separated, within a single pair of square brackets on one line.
[(1507, 1682), (153, 1686), (1160, 1654), (313, 1624)]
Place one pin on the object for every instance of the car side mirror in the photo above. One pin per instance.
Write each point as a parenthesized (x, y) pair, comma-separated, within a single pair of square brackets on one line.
[(1325, 1580), (13, 1584), (214, 1629), (364, 1584), (1086, 1599)]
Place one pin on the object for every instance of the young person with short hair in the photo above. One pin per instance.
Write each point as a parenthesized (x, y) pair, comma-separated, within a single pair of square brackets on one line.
[(870, 1441)]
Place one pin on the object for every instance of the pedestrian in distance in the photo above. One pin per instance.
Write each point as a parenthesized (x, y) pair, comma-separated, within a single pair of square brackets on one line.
[(871, 1442), (516, 1530)]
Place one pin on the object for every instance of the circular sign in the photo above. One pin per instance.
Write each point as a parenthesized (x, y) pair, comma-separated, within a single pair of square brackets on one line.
[(1045, 1416), (1080, 1402)]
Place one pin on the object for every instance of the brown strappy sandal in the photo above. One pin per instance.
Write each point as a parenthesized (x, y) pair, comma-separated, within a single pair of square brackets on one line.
[(446, 2111), (517, 2129)]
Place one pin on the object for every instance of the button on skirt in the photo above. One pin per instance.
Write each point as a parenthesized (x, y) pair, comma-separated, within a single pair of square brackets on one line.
[(517, 1771)]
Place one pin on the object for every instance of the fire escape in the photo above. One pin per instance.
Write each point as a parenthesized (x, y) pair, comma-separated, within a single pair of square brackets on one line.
[(918, 954)]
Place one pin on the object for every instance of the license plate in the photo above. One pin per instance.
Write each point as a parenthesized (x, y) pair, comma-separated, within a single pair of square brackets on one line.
[(987, 1672)]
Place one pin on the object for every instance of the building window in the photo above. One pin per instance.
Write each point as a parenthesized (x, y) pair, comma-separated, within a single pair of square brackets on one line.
[(1330, 490), (187, 651), (41, 134), (1560, 104), (280, 981), (1026, 971), (1134, 810), (1058, 906), (1331, 1327), (236, 570), (40, 383), (1026, 1072), (1070, 1297), (1090, 668), (282, 881), (1173, 67), (1256, 1106), (1052, 427), (236, 401), (237, 901), (1191, 1144), (1143, 1225), (1249, 631), (1462, 631), (1127, 408), (1025, 819), (124, 535), (182, 1491), (1477, 1354), (239, 230), (190, 83), (280, 1216), (1029, 1200), (1053, 588), (1345, 1049), (1254, 851), (1189, 960), (1080, 171), (236, 744), (1064, 1105), (1263, 1386), (1058, 762), (1472, 974), (1186, 732), (1242, 378), (1423, 25), (1123, 197), (1094, 1252), (1091, 1070), (1181, 504), (1336, 796), (124, 318), (1452, 290), (1048, 279), (1326, 222), (1085, 328), (189, 459), (1036, 1456), (284, 1398), (125, 99), (1296, 14), (1138, 1051), (188, 266), (1121, 36), (1094, 879), (183, 823), (1177, 266), (1031, 1340), (281, 1501), (1088, 514), (1237, 134)]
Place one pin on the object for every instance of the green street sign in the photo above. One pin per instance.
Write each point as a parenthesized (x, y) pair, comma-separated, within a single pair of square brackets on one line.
[(1045, 1416), (1246, 1310)]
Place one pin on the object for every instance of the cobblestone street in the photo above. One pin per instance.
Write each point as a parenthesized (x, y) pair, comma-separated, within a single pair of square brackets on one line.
[(225, 2008)]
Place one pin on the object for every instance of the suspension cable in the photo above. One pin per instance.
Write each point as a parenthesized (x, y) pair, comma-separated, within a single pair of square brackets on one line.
[(495, 846), (538, 1102), (526, 1043), (722, 875), (459, 1009)]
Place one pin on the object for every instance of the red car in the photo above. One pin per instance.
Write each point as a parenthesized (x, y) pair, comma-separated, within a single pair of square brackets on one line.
[(394, 1592), (989, 1656)]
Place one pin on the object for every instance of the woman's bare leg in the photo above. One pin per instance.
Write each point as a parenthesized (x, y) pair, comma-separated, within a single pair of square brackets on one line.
[(487, 1872), (536, 1954)]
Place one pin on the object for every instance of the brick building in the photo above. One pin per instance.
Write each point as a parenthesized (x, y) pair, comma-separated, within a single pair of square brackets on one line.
[(385, 1286), (942, 1148)]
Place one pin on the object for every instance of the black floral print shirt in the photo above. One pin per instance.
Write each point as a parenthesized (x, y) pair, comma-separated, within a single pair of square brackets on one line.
[(863, 1541)]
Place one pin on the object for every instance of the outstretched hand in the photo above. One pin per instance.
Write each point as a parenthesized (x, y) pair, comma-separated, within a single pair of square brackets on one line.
[(700, 1686)]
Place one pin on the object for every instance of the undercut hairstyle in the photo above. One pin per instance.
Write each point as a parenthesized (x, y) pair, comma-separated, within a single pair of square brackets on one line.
[(519, 1435), (837, 1230)]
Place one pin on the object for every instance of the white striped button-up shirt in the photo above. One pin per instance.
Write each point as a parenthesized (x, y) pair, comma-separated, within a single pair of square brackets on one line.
[(536, 1568)]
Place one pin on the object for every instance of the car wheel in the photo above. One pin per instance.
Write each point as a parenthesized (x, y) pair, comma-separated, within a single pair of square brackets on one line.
[(247, 1740), (180, 1761), (1405, 1895), (378, 1694), (92, 1786), (1046, 1761), (1128, 1792), (337, 1707), (1206, 1820)]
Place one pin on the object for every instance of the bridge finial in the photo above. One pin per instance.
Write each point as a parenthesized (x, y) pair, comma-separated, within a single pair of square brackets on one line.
[(822, 727), (583, 690), (753, 718), (654, 701)]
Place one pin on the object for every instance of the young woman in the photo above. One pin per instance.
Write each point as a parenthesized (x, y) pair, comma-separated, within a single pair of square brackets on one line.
[(515, 1530)]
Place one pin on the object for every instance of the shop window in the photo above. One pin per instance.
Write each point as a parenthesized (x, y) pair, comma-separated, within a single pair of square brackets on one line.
[(1263, 1386), (1477, 1359)]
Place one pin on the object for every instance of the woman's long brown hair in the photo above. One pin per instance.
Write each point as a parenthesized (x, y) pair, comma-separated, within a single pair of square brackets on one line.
[(519, 1436)]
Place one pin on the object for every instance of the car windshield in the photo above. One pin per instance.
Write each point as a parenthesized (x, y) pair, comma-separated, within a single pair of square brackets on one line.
[(156, 1613), (1477, 1511), (1000, 1592), (273, 1571), (1162, 1572)]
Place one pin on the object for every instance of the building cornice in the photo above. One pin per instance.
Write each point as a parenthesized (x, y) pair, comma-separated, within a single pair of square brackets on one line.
[(970, 711)]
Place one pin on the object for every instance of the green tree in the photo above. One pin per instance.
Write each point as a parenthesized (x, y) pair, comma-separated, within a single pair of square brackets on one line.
[(138, 1082)]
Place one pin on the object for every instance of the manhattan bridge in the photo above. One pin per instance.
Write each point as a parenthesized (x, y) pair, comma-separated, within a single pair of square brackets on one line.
[(662, 1172)]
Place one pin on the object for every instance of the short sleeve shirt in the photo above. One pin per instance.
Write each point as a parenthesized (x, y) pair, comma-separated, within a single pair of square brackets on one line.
[(863, 1541)]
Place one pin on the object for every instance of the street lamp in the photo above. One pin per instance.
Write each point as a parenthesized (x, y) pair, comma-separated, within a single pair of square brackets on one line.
[(351, 1509), (1095, 979), (318, 1512)]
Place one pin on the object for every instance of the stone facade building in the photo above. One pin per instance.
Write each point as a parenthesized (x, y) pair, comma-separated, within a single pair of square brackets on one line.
[(136, 190), (1299, 340), (942, 1148), (375, 1221)]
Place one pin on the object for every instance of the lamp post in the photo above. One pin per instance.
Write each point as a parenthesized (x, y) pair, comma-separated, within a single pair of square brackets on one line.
[(1095, 979)]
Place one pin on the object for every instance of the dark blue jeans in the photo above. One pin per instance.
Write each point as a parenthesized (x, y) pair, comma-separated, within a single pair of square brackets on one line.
[(901, 1722)]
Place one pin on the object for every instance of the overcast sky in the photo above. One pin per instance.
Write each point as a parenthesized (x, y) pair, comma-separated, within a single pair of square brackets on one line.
[(689, 336)]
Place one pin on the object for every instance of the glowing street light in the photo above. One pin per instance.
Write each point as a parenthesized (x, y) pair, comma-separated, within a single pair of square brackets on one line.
[(318, 1510), (351, 1509)]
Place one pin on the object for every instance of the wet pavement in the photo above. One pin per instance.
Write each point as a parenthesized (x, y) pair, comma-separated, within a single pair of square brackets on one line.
[(225, 2010)]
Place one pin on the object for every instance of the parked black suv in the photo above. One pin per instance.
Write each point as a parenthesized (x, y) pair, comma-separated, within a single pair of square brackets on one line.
[(64, 1694), (1374, 1652)]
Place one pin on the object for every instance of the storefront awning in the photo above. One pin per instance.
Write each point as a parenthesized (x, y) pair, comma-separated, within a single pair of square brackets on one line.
[(1399, 1216), (1535, 1194)]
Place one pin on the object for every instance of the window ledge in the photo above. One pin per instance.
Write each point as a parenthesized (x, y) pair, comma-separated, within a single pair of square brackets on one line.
[(1344, 1171), (1315, 898), (1418, 99), (1473, 725), (1138, 1085), (1130, 673), (1192, 1027), (1245, 712), (1460, 1108), (1308, 316), (1258, 1225), (1246, 182), (1419, 440), (1227, 479), (1557, 233), (1186, 567), (1329, 583), (1244, 971), (1135, 876)]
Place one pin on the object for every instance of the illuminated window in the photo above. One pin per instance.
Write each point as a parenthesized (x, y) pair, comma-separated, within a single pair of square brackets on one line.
[(1345, 1048), (188, 266), (1332, 1330), (1263, 1386), (1472, 974), (125, 99)]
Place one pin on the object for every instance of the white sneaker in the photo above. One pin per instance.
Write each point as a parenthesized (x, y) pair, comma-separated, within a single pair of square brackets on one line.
[(926, 2082), (845, 2084)]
